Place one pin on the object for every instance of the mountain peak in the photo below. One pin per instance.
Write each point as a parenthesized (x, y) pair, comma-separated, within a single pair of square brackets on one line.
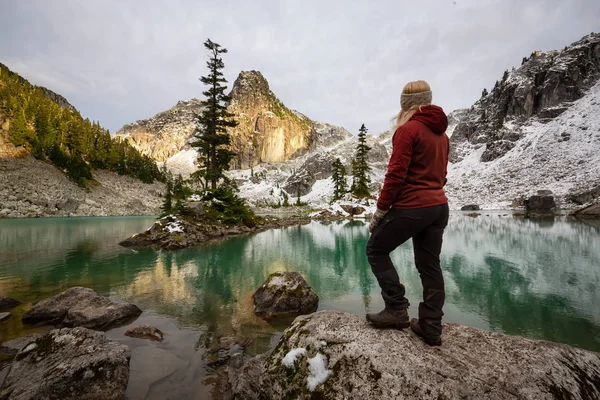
[(250, 83)]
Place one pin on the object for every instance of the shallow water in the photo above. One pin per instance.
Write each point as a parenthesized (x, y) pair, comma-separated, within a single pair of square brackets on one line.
[(538, 278)]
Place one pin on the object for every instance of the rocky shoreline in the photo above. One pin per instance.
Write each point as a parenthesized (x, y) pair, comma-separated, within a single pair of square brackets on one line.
[(30, 188), (328, 354)]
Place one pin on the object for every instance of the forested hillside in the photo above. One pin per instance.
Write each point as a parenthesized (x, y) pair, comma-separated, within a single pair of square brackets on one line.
[(35, 121)]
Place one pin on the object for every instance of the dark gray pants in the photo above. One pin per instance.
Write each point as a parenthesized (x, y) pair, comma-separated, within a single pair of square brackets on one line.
[(426, 227)]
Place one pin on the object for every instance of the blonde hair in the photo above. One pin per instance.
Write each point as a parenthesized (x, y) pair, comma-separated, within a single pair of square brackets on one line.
[(412, 88)]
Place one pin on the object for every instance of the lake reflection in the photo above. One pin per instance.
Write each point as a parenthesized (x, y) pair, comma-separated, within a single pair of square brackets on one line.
[(536, 278)]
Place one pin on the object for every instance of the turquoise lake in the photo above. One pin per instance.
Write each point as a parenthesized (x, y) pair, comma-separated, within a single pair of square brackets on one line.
[(538, 278)]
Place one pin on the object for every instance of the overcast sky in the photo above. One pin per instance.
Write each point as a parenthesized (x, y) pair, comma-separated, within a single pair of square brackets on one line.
[(342, 62)]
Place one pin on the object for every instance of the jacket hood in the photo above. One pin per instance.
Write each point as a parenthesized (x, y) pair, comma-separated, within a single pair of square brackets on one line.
[(432, 116)]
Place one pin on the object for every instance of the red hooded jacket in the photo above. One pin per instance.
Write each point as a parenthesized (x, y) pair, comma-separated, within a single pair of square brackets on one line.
[(417, 169)]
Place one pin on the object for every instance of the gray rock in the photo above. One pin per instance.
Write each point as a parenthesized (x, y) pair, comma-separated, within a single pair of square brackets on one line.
[(353, 210), (284, 294), (470, 207), (13, 346), (196, 207), (69, 363), (69, 205), (79, 306), (91, 202), (590, 212), (39, 202), (540, 203), (314, 168), (586, 196), (5, 211), (544, 193), (145, 332), (365, 363), (6, 303), (4, 316)]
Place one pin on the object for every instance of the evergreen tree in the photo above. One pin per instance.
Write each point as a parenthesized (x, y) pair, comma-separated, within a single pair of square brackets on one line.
[(339, 179), (286, 202), (524, 60), (497, 85), (211, 137), (167, 206), (360, 166), (504, 77), (484, 93), (178, 190), (19, 133), (61, 135)]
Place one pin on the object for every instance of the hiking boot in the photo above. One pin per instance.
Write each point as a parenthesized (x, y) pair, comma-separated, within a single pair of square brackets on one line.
[(389, 318), (430, 337)]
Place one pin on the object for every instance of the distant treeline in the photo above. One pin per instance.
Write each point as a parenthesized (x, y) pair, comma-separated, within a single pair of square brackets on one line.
[(63, 137)]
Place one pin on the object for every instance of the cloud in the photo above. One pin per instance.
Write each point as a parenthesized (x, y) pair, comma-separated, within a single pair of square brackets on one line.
[(335, 61)]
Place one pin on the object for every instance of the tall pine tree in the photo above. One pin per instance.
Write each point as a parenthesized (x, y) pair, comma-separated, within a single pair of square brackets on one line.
[(340, 186), (360, 166), (211, 137)]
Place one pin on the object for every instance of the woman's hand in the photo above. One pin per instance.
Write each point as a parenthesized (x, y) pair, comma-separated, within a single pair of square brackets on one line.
[(375, 218)]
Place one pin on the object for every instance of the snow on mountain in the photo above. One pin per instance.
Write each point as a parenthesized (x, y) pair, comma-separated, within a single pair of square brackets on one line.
[(562, 155), (537, 129)]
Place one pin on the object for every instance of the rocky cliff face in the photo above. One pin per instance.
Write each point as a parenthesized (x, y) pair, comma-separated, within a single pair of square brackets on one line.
[(543, 87), (268, 131), (454, 118), (166, 133)]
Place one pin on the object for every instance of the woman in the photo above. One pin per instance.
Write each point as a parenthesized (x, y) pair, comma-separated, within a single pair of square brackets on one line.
[(412, 204)]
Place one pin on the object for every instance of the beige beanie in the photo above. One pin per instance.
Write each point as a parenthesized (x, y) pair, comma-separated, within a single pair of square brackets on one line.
[(415, 99)]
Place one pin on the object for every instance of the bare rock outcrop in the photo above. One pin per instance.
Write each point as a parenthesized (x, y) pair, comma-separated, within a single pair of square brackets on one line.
[(336, 355), (69, 363), (79, 306), (268, 131), (589, 212)]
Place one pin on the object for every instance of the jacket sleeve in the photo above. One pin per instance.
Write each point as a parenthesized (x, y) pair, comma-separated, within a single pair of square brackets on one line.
[(447, 159), (402, 149)]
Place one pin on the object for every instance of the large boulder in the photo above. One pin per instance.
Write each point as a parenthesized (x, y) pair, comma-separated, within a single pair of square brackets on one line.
[(6, 303), (69, 363), (69, 205), (316, 167), (79, 306), (336, 355), (284, 294), (352, 210), (470, 207), (590, 212), (540, 203)]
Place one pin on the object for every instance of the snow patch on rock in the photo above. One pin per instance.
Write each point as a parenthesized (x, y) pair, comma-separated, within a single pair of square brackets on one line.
[(290, 358), (318, 371)]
